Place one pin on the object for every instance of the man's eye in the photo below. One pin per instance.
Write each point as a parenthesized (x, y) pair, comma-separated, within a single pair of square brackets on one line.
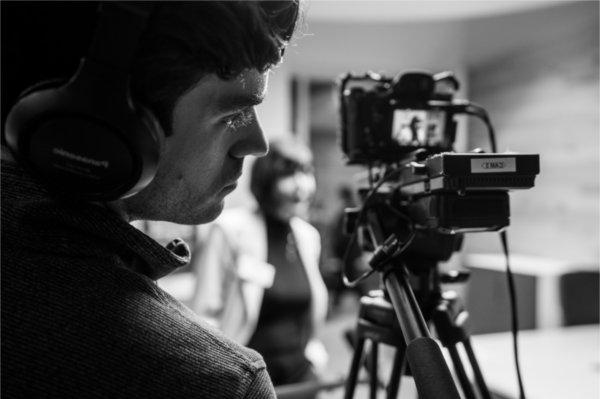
[(239, 119)]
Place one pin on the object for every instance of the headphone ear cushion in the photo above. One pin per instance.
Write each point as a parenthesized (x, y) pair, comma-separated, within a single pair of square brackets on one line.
[(43, 85), (148, 144), (21, 116), (151, 123)]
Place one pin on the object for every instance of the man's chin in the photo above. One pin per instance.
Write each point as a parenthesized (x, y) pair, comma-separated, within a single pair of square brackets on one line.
[(186, 215), (211, 213), (210, 210)]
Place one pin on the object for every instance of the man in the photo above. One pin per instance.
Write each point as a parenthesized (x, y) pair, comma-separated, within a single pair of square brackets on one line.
[(81, 313)]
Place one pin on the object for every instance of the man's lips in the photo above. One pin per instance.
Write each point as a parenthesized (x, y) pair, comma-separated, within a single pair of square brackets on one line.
[(237, 171), (231, 181), (230, 187)]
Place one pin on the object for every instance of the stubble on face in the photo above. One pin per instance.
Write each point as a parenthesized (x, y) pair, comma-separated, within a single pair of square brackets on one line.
[(196, 168)]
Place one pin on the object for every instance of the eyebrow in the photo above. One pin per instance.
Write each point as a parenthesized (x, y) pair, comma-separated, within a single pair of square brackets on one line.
[(235, 101)]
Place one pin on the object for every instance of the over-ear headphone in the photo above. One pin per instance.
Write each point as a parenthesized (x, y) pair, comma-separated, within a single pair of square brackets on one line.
[(86, 138)]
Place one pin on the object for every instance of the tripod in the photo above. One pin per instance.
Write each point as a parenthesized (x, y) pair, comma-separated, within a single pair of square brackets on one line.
[(393, 317)]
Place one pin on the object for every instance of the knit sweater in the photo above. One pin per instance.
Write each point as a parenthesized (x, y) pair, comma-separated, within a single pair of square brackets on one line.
[(82, 316)]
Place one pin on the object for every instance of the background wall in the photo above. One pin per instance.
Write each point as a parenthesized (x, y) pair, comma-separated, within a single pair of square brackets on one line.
[(541, 88)]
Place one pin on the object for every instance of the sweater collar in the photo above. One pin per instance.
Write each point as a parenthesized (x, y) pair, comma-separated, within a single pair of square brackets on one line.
[(34, 219)]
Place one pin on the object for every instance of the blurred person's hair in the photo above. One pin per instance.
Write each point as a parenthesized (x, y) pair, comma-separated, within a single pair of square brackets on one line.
[(183, 42), (287, 155)]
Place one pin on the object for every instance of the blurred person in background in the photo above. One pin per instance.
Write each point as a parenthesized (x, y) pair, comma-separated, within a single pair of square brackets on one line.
[(258, 277)]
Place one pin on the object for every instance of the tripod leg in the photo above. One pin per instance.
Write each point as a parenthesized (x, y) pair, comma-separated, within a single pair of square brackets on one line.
[(430, 371), (374, 379), (397, 368), (450, 320), (485, 393), (460, 371), (354, 368)]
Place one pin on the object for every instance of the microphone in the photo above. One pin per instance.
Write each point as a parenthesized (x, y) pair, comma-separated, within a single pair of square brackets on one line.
[(429, 369)]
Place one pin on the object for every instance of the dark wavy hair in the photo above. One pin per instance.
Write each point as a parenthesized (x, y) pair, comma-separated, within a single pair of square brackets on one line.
[(183, 42), (186, 40), (287, 155)]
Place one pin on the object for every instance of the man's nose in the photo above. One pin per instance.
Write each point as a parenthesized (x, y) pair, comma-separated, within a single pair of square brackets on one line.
[(252, 141)]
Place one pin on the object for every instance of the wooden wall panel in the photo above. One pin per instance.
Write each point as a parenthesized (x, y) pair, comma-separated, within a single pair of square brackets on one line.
[(543, 98)]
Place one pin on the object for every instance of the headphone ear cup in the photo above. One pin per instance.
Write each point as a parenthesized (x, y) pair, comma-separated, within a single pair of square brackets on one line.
[(148, 142), (16, 130), (85, 138), (150, 123), (80, 148)]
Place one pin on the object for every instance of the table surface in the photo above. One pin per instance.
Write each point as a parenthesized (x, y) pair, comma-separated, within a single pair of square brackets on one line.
[(555, 363), (523, 264)]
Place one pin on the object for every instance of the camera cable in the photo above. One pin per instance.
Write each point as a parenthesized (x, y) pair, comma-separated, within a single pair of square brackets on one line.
[(480, 112), (353, 283), (473, 109), (513, 310)]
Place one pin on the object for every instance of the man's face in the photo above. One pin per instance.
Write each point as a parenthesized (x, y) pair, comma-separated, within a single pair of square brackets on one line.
[(214, 127)]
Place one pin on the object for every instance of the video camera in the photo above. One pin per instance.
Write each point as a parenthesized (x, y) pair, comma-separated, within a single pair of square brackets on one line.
[(419, 200), (404, 130)]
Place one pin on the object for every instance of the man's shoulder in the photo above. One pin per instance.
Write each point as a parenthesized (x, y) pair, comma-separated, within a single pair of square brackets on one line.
[(203, 356), (204, 339), (134, 341), (161, 322)]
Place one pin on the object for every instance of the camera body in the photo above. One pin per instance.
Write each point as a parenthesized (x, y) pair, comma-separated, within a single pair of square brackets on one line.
[(384, 120), (403, 130)]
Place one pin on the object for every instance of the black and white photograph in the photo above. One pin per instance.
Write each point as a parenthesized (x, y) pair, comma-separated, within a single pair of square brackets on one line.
[(300, 199)]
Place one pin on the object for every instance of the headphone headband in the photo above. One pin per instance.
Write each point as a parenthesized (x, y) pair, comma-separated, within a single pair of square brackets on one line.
[(118, 30)]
